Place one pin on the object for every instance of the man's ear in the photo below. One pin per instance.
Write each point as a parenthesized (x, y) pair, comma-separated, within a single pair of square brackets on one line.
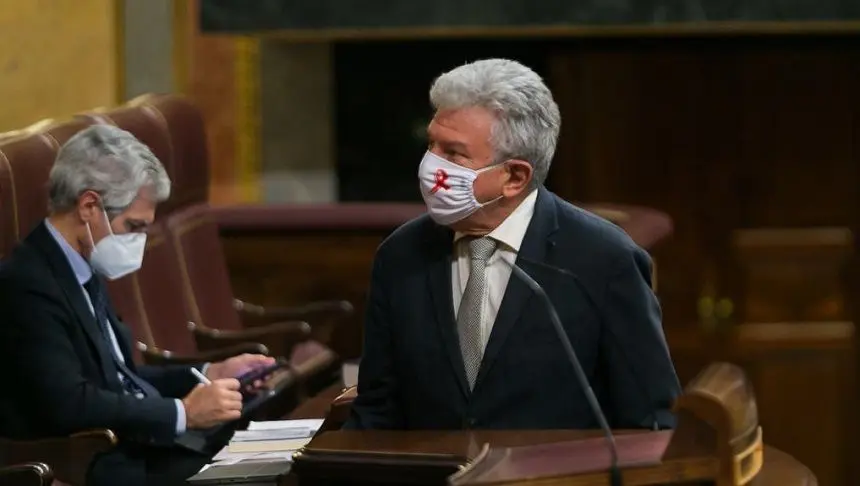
[(519, 173), (89, 206)]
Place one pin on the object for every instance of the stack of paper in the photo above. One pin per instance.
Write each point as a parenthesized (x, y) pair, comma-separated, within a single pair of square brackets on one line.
[(267, 441), (311, 425)]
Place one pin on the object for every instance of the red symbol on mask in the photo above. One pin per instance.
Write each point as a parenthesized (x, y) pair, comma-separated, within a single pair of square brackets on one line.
[(441, 177)]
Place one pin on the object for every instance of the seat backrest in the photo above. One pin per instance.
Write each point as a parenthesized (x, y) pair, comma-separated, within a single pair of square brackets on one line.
[(25, 163), (200, 258), (123, 294), (29, 130), (172, 127), (24, 167), (151, 300), (646, 226)]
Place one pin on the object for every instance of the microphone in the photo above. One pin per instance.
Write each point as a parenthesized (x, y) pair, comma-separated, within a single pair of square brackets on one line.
[(614, 471)]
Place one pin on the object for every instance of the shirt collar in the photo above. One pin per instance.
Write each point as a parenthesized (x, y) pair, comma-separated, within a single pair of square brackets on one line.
[(512, 231), (83, 270)]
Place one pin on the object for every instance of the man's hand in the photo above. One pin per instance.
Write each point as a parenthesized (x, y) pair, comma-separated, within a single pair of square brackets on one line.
[(237, 366), (210, 405)]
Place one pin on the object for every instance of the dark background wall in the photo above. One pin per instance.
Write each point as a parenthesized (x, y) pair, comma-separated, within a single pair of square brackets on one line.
[(239, 15)]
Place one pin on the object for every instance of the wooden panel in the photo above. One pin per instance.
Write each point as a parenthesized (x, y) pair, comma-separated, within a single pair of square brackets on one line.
[(804, 379), (635, 131), (722, 134), (799, 106), (284, 269), (793, 274)]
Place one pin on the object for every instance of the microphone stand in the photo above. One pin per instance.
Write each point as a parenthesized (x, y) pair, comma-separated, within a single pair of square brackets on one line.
[(614, 472)]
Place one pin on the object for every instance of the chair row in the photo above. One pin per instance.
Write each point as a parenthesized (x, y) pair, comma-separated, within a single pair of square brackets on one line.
[(184, 258), (180, 305), (170, 125), (203, 299)]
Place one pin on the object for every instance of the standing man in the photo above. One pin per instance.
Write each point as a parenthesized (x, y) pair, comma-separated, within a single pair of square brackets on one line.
[(66, 356), (454, 340)]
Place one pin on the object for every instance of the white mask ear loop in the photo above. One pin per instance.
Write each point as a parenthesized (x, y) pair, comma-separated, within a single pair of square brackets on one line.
[(478, 172), (107, 221), (90, 231)]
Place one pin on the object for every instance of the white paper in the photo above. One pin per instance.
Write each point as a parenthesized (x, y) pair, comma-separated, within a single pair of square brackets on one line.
[(272, 434), (225, 457), (313, 425)]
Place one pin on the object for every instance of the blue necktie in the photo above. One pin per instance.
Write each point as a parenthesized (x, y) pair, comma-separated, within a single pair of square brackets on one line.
[(131, 383)]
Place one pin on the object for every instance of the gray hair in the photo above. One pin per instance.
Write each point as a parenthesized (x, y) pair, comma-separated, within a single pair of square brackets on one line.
[(527, 117), (109, 161)]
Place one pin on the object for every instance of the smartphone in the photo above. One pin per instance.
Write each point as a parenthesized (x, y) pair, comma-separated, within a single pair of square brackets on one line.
[(250, 377)]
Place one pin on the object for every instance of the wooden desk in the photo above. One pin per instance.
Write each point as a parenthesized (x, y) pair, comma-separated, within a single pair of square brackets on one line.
[(718, 440), (430, 457)]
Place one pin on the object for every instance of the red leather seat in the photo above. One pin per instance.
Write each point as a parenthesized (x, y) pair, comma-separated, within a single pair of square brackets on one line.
[(206, 283), (25, 163), (172, 127), (150, 302)]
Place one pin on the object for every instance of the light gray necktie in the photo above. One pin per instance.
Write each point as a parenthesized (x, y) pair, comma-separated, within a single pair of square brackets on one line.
[(471, 307)]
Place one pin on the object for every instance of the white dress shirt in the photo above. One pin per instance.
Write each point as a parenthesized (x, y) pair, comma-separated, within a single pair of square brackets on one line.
[(83, 273), (509, 236)]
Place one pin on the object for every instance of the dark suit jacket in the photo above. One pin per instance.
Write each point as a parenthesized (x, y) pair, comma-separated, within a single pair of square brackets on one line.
[(58, 374), (412, 374)]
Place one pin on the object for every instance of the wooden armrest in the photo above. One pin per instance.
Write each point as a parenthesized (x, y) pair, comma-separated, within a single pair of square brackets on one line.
[(156, 356), (29, 474), (68, 457), (319, 310), (280, 338), (339, 410), (323, 315), (346, 398)]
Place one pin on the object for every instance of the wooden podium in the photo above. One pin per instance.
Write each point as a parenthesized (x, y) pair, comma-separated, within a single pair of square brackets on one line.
[(718, 441)]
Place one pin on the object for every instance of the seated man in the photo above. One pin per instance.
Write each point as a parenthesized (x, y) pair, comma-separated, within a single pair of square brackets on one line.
[(66, 356), (452, 339)]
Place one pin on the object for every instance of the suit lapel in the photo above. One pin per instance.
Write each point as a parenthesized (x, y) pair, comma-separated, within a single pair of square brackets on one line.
[(42, 239), (440, 249), (536, 244)]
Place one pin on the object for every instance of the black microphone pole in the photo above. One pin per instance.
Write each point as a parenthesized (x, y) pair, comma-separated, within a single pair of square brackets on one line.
[(655, 425), (614, 472)]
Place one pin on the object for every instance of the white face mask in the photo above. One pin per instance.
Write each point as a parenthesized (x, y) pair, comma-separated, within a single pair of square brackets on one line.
[(116, 256), (448, 189)]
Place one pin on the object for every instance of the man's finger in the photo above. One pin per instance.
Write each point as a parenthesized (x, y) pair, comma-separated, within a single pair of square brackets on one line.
[(228, 383)]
